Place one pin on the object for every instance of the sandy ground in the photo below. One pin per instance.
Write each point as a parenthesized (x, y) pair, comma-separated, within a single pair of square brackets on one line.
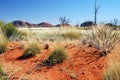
[(84, 63)]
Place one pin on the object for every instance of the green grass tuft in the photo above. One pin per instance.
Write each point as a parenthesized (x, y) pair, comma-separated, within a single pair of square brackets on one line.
[(32, 49), (57, 56)]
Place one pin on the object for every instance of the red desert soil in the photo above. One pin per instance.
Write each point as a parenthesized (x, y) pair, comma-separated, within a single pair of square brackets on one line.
[(84, 63)]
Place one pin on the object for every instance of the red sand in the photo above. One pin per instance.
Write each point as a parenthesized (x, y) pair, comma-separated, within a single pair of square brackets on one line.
[(84, 63)]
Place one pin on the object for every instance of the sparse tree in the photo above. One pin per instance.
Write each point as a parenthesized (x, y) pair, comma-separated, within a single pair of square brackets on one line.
[(96, 8), (115, 22), (64, 20)]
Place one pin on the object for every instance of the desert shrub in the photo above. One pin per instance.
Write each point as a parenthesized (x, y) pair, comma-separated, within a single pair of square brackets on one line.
[(57, 56), (71, 35), (31, 49), (103, 38), (3, 43), (112, 72), (9, 29)]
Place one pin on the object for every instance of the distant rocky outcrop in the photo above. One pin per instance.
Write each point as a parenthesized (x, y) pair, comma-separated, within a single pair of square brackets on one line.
[(45, 24), (20, 23)]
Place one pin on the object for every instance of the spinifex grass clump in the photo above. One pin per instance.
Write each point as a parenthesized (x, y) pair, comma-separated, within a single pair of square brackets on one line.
[(9, 29), (57, 56), (103, 38), (32, 49), (112, 72), (3, 43), (72, 35)]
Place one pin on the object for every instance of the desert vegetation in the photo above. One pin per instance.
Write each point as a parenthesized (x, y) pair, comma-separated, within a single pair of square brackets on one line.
[(103, 38), (71, 35), (9, 29), (113, 71), (31, 49), (57, 56), (3, 42), (2, 74), (38, 51)]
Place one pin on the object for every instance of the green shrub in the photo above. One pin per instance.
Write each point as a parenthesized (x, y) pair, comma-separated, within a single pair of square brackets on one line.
[(9, 29), (71, 35), (57, 56), (103, 38), (3, 43), (31, 49), (112, 72)]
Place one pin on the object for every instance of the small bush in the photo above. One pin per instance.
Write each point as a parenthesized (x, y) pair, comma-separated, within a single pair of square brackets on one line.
[(103, 38), (57, 56), (31, 49), (71, 35), (112, 72), (9, 29), (3, 43)]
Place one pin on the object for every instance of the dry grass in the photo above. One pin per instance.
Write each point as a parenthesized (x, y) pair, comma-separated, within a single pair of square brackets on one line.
[(53, 34), (3, 43), (113, 71), (72, 35), (103, 38)]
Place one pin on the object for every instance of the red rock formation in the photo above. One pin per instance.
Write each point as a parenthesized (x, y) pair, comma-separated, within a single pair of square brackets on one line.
[(20, 23), (45, 24)]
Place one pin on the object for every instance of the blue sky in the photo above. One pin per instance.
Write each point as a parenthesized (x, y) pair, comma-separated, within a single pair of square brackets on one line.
[(78, 11)]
